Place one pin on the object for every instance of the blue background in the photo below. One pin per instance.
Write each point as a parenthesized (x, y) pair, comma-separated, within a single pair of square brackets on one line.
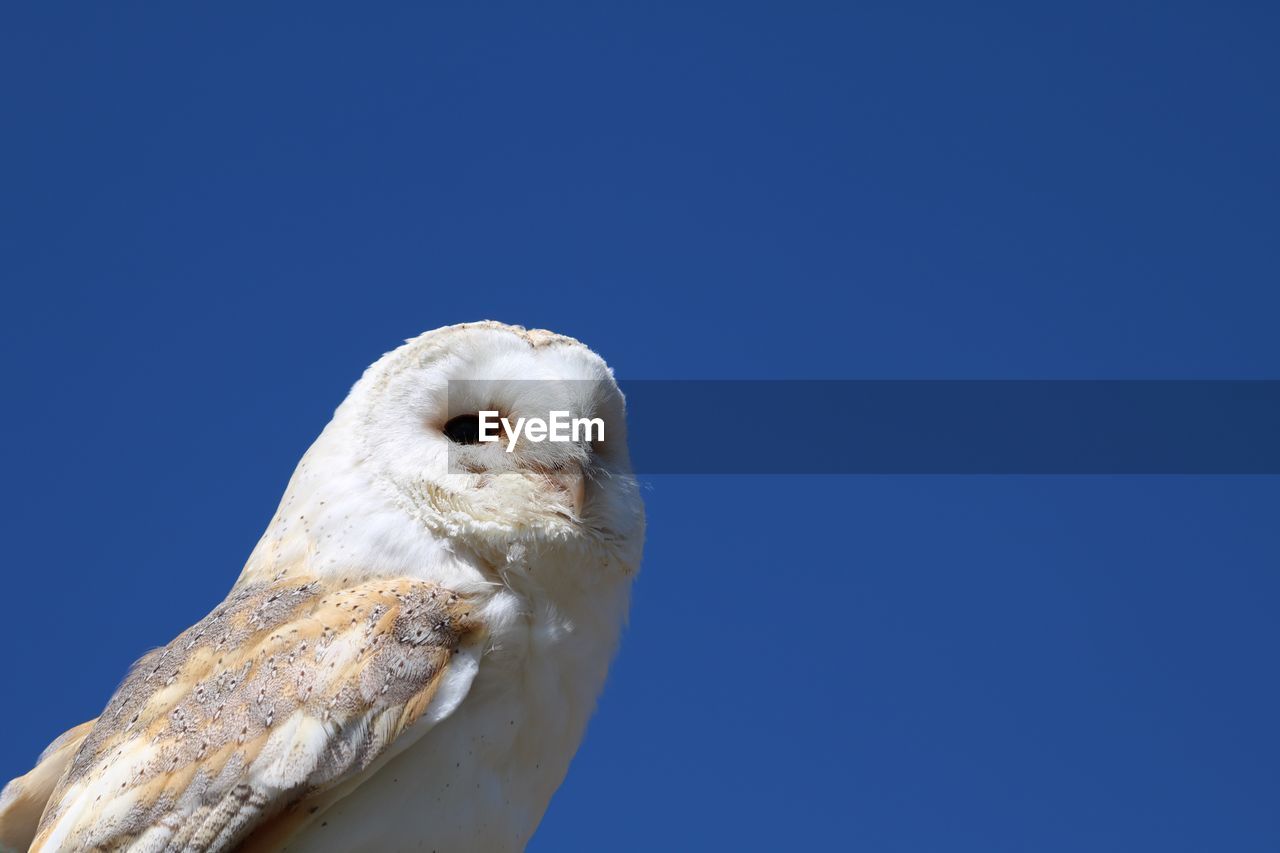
[(211, 222)]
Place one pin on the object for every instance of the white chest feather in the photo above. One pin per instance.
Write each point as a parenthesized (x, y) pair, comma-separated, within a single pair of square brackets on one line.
[(481, 779)]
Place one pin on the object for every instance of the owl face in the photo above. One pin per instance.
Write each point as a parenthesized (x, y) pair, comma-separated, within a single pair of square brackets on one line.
[(423, 412)]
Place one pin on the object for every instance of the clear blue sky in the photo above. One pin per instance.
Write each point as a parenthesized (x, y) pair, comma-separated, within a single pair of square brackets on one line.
[(210, 222)]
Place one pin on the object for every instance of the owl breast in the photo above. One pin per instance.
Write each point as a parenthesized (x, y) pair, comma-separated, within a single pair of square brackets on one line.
[(481, 779)]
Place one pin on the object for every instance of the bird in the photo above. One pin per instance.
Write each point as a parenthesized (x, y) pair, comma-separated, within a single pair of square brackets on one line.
[(413, 649)]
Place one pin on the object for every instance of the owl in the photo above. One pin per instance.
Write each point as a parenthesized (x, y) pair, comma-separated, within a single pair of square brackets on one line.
[(409, 657)]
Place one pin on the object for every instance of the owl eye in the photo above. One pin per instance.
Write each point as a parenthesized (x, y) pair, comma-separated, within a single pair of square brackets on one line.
[(464, 429)]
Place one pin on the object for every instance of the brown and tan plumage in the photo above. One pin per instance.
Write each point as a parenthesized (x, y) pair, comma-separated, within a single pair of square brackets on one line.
[(285, 690)]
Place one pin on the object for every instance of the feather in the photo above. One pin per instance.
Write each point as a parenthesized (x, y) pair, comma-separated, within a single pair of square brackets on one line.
[(23, 800), (284, 691)]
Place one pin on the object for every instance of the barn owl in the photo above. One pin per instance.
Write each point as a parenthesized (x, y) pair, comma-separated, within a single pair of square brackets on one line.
[(410, 655)]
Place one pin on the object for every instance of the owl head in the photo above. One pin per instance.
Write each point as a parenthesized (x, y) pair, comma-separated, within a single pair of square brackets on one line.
[(433, 446)]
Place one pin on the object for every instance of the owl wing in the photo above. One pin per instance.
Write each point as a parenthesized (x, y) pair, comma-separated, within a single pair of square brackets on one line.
[(23, 799), (288, 690)]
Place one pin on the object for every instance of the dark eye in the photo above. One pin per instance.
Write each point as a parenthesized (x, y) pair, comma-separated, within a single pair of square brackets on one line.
[(464, 429)]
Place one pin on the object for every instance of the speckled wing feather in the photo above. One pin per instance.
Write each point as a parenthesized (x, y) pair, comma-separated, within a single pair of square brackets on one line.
[(286, 690)]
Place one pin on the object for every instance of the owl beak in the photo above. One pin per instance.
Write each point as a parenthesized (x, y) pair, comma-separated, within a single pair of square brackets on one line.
[(577, 487), (568, 482)]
